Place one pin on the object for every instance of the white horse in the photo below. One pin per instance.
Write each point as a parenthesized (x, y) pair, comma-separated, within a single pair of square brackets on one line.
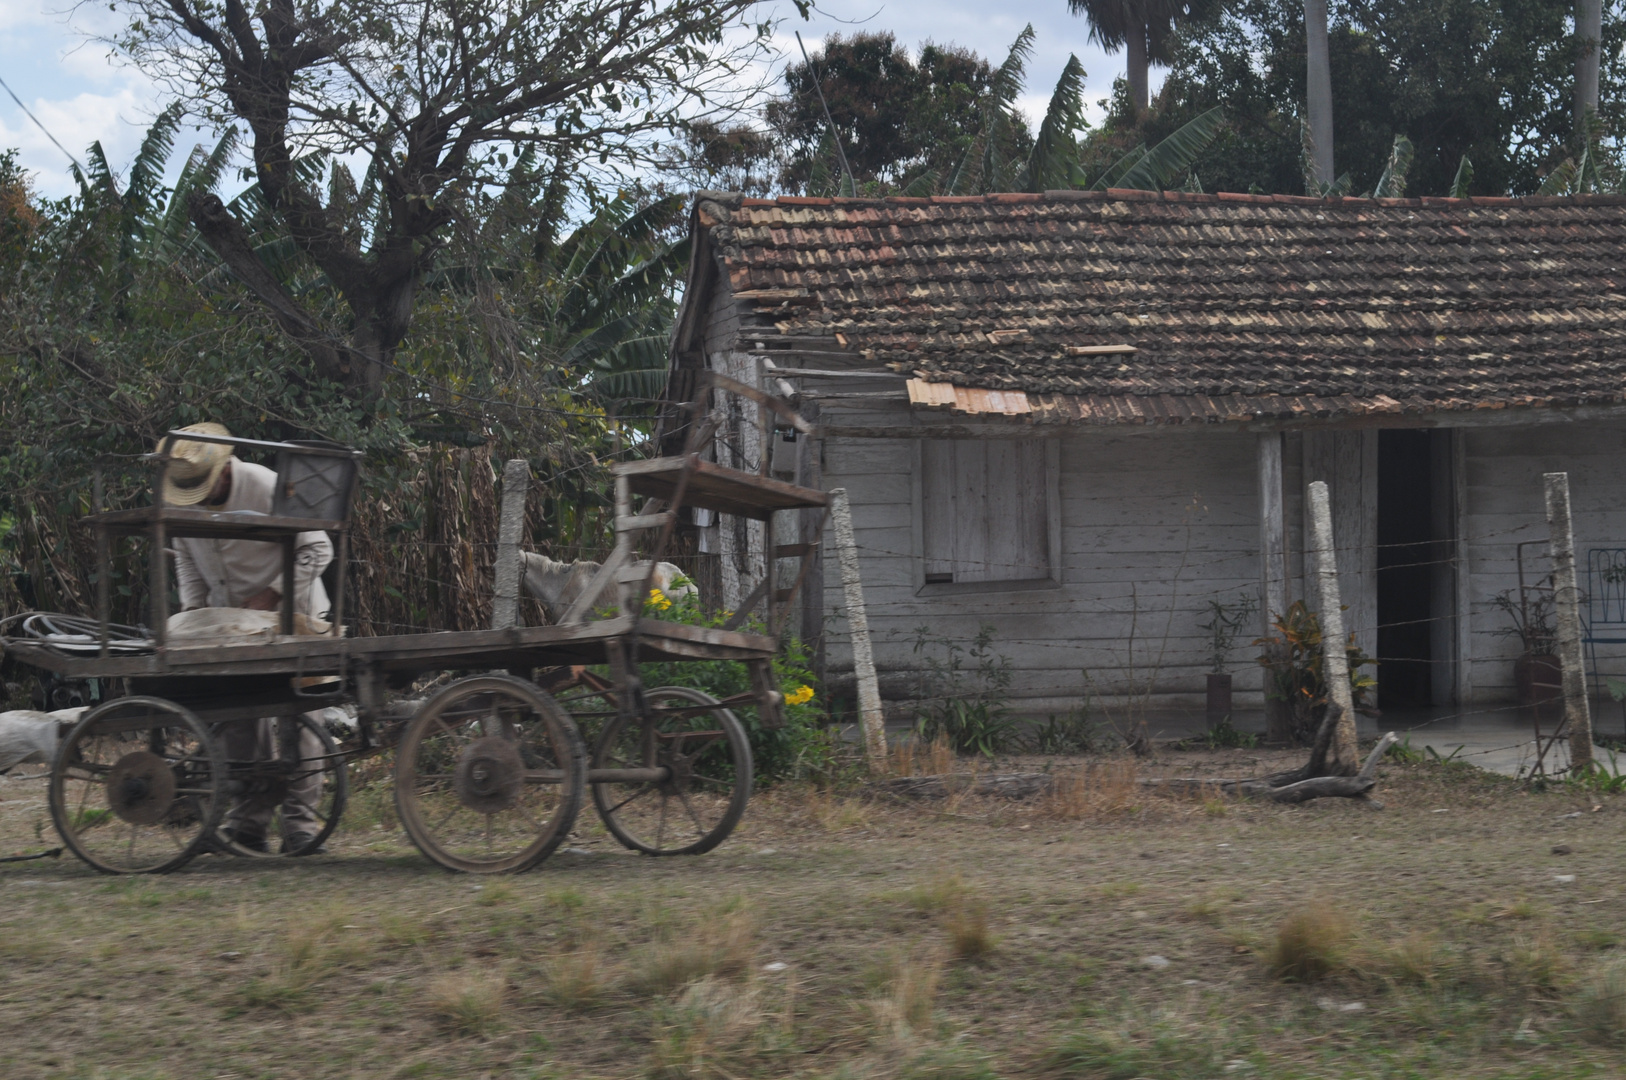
[(558, 585)]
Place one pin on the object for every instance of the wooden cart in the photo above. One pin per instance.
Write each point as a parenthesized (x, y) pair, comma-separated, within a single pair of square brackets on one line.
[(490, 769)]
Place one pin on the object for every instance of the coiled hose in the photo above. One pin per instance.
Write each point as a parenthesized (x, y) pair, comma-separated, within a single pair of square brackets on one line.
[(75, 635)]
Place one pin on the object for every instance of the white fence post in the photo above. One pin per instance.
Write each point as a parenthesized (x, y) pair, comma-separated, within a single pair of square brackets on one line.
[(1341, 757), (869, 688), (1567, 608), (516, 479)]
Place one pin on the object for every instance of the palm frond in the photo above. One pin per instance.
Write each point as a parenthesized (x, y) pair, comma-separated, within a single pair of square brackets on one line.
[(1392, 184), (1160, 166), (1054, 159), (1115, 172), (1561, 181), (633, 370), (147, 171), (1464, 178)]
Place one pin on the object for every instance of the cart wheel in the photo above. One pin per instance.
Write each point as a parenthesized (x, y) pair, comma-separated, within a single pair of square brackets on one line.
[(136, 787), (707, 759), (309, 754), (489, 775)]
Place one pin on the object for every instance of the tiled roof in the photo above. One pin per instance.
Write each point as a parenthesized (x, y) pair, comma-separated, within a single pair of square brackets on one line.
[(1230, 302)]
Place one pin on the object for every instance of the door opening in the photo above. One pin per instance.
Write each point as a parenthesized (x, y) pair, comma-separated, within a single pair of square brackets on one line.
[(1415, 569)]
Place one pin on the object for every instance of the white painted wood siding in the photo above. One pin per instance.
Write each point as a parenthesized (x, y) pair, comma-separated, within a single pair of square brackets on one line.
[(1152, 525), (1502, 470)]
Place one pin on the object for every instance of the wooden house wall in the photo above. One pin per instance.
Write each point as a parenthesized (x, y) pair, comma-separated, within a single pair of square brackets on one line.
[(1153, 525), (1500, 470)]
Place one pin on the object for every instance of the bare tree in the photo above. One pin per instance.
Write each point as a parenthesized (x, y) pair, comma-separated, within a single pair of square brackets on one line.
[(431, 94)]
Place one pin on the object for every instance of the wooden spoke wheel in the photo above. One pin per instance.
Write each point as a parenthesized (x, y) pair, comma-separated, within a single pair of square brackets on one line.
[(702, 762), (282, 756), (137, 786), (489, 775)]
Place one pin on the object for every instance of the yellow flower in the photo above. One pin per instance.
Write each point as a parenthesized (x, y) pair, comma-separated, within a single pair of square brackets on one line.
[(799, 696), (658, 599)]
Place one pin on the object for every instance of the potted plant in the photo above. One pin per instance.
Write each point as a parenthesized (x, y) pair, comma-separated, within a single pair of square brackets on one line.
[(1537, 673), (1225, 622)]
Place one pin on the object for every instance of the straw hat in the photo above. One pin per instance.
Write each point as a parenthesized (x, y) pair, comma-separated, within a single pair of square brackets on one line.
[(194, 466)]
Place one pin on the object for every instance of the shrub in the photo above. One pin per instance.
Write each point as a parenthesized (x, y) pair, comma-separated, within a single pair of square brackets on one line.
[(1310, 944)]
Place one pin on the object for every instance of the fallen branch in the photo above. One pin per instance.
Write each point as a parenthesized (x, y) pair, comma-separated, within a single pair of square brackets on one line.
[(1304, 784), (1290, 787)]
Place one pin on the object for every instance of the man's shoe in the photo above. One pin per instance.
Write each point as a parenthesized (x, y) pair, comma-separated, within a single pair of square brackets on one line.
[(252, 841), (301, 845)]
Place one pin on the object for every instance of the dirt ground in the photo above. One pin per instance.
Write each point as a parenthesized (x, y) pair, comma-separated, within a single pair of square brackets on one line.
[(1468, 929)]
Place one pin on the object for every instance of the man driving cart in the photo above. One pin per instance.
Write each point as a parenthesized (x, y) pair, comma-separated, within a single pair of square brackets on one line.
[(247, 574)]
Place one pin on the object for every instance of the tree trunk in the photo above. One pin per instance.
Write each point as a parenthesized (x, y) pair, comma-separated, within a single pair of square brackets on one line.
[(1138, 75), (1588, 32), (1318, 87)]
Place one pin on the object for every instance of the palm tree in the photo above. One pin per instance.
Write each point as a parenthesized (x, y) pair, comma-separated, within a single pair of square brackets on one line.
[(1318, 94), (1144, 29)]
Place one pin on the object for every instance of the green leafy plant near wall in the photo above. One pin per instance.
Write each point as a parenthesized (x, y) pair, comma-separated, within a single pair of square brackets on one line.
[(804, 746), (961, 694), (1301, 682)]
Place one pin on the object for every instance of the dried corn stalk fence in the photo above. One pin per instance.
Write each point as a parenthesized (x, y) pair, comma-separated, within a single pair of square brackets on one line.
[(422, 547)]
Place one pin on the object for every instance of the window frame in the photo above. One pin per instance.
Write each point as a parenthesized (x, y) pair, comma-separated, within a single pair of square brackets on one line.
[(917, 498)]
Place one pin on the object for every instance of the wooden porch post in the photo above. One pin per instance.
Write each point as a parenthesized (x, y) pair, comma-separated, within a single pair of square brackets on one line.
[(1272, 578)]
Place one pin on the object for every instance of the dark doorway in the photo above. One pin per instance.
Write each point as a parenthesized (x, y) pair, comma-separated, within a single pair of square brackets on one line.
[(1415, 590)]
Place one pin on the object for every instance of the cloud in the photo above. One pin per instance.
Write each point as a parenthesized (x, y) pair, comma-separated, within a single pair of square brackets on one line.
[(116, 120)]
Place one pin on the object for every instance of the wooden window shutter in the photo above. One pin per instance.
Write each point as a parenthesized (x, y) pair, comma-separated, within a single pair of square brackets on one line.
[(983, 510)]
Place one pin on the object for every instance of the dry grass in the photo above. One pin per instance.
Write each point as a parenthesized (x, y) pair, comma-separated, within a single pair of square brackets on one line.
[(578, 979), (1310, 944), (723, 945), (1417, 959), (1599, 1005), (306, 955), (907, 1006), (1469, 961), (468, 1002), (711, 1023), (909, 757), (1106, 790), (836, 814), (966, 923)]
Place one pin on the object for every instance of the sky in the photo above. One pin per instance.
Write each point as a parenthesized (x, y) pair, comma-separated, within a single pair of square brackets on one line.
[(82, 94)]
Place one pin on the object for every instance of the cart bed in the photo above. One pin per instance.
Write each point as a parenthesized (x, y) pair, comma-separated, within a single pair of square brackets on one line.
[(518, 647)]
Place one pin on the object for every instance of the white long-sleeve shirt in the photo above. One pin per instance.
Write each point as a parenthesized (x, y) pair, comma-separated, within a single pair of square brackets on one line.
[(224, 573)]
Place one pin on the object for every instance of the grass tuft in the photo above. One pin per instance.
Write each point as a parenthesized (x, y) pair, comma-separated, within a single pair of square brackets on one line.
[(910, 1002), (967, 925), (720, 946), (576, 980), (1310, 944), (308, 955), (710, 1023), (469, 1002), (1107, 790), (1599, 1005)]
